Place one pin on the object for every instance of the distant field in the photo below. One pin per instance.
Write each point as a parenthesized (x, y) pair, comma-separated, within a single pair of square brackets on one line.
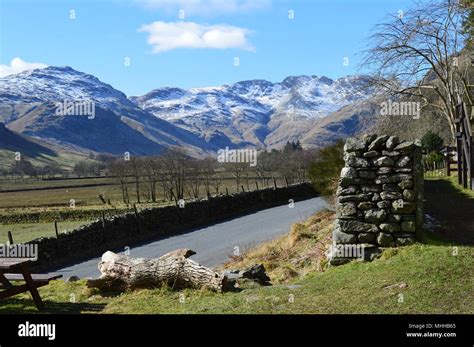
[(80, 190), (18, 184), (60, 197), (27, 232), (30, 214)]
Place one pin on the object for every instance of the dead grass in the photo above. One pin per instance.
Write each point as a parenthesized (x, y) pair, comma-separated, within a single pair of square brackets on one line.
[(292, 255)]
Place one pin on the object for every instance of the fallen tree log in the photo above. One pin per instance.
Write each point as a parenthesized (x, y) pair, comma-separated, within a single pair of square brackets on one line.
[(120, 272)]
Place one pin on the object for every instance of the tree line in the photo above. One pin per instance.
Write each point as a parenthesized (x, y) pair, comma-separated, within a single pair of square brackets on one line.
[(176, 175)]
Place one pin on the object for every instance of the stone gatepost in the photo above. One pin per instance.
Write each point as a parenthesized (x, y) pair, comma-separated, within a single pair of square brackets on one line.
[(379, 198)]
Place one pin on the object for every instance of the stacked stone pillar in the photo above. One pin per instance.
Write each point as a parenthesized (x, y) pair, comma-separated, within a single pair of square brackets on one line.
[(380, 193)]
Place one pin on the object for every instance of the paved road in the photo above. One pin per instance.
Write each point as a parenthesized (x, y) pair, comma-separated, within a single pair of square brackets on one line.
[(215, 243)]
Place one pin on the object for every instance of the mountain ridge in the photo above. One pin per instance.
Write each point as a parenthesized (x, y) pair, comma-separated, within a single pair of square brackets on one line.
[(252, 113), (27, 98), (242, 113)]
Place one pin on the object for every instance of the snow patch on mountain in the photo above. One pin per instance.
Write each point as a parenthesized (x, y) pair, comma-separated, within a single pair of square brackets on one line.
[(239, 110), (56, 84)]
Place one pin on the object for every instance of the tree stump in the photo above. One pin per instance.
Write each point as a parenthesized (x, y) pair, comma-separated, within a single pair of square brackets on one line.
[(120, 272)]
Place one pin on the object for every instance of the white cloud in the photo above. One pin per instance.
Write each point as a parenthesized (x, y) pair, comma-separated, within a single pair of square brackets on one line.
[(163, 36), (17, 65), (205, 7)]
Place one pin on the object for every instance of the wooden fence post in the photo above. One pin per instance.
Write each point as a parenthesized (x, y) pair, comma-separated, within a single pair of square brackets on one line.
[(447, 160), (471, 167), (274, 183), (464, 170), (459, 152), (56, 229), (10, 238)]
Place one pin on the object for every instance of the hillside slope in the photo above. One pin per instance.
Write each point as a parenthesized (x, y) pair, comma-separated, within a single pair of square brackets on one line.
[(37, 152), (28, 102)]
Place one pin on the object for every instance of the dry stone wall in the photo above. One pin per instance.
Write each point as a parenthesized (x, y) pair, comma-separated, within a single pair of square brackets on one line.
[(380, 193), (116, 232)]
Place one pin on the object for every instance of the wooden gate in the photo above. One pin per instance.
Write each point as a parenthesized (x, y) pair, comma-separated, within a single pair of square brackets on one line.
[(464, 147)]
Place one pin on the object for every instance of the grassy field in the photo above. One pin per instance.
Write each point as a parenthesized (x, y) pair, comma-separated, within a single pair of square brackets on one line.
[(85, 196), (415, 279), (31, 183), (30, 231), (52, 195)]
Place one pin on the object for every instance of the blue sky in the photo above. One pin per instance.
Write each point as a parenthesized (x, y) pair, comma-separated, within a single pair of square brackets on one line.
[(196, 50)]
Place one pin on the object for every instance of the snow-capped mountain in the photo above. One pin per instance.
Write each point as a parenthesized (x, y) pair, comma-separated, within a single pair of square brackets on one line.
[(59, 83), (250, 112), (28, 104), (258, 113)]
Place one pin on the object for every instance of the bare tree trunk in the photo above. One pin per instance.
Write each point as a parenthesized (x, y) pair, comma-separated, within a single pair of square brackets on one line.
[(137, 188), (120, 272), (153, 192), (122, 186)]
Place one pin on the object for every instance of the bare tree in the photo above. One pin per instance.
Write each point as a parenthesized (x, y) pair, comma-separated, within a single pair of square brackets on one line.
[(194, 178), (135, 170), (237, 170), (218, 178), (119, 169), (208, 167), (175, 162), (418, 54), (152, 172), (262, 169), (285, 166)]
